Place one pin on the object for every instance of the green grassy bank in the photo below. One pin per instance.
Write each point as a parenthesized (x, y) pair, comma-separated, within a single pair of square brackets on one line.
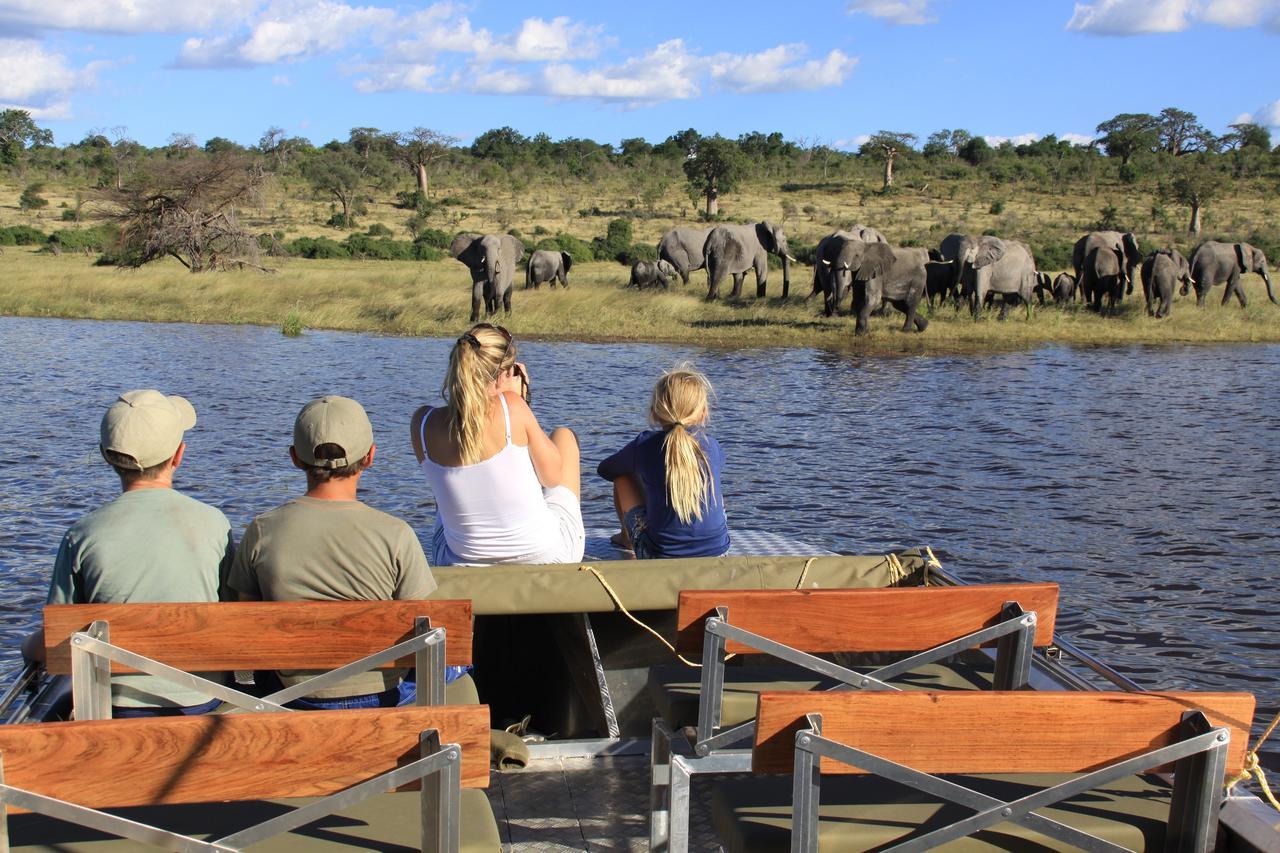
[(433, 299)]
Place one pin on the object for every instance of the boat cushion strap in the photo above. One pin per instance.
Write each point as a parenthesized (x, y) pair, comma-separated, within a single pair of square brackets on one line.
[(870, 812)]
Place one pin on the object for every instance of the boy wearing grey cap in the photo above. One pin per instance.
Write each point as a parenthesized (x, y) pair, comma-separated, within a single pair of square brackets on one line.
[(151, 544), (327, 545)]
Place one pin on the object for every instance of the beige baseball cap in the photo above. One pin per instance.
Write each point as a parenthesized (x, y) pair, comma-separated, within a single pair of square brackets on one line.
[(146, 426), (332, 420)]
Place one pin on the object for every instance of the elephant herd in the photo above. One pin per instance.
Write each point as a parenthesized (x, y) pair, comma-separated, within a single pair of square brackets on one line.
[(859, 262)]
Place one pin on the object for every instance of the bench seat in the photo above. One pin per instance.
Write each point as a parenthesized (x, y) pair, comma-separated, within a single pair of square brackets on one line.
[(387, 822), (753, 815), (674, 688)]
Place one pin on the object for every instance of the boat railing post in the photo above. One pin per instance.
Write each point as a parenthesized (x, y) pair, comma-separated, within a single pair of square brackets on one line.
[(805, 786), (1014, 650), (429, 665), (4, 812), (90, 675), (659, 786), (1197, 781), (712, 678)]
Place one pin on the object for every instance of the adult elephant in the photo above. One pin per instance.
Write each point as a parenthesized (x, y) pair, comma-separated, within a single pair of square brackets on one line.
[(1160, 272), (493, 260), (878, 274), (549, 266), (1103, 267), (821, 277), (970, 255), (683, 249), (1129, 257), (647, 274), (1216, 262), (735, 249), (989, 265)]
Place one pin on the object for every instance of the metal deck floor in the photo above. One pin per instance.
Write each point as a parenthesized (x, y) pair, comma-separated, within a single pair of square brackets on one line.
[(558, 804)]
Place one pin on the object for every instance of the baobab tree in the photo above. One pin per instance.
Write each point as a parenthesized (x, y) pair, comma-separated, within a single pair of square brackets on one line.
[(419, 148), (886, 146)]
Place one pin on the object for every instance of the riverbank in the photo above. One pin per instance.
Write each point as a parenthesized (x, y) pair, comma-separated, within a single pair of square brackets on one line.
[(433, 299)]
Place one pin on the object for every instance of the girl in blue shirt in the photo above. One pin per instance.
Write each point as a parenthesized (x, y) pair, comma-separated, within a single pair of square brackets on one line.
[(666, 481)]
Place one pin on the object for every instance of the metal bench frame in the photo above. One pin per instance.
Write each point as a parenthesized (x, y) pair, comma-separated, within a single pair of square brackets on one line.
[(1200, 757), (439, 766), (675, 757), (92, 653)]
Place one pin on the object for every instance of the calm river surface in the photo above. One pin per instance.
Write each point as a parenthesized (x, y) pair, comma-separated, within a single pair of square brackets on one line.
[(1143, 480)]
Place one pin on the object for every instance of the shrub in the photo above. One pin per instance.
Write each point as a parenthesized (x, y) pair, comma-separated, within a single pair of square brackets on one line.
[(1054, 256), (378, 249), (638, 252), (414, 200), (21, 235), (997, 208), (377, 229), (70, 215), (423, 251), (96, 239), (31, 198), (540, 231), (318, 248), (338, 221), (617, 242), (434, 238), (579, 250)]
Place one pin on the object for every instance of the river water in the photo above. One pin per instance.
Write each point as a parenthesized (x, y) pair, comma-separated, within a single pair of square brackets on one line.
[(1142, 479)]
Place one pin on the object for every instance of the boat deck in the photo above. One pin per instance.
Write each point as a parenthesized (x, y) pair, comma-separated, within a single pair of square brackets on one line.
[(558, 804)]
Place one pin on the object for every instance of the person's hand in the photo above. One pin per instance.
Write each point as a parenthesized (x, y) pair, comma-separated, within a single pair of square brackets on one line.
[(514, 378)]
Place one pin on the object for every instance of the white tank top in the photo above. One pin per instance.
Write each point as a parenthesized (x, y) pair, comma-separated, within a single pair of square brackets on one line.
[(493, 511)]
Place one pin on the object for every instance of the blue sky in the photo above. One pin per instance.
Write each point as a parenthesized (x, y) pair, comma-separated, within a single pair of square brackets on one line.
[(816, 71)]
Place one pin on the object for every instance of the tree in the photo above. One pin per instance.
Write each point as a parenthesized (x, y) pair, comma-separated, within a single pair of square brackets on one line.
[(186, 209), (31, 198), (885, 146), (503, 145), (220, 144), (278, 146), (716, 166), (946, 143), (1247, 135), (18, 132), (1127, 134), (1180, 132), (334, 171), (421, 147), (976, 151), (1195, 184)]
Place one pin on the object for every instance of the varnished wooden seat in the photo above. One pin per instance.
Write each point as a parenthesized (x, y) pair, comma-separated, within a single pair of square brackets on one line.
[(929, 624), (89, 641), (72, 770), (952, 768)]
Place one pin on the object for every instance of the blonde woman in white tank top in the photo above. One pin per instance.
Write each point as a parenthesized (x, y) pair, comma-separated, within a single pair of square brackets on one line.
[(505, 491)]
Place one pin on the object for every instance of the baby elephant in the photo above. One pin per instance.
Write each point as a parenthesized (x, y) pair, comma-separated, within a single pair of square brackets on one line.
[(1062, 288), (646, 274), (549, 266), (1160, 272)]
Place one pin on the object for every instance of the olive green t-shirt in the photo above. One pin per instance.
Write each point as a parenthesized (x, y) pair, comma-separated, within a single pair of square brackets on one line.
[(321, 550), (148, 545)]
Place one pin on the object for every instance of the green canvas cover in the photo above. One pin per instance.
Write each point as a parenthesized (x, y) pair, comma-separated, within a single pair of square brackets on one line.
[(656, 584)]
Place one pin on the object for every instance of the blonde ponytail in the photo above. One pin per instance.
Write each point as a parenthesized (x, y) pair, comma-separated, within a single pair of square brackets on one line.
[(477, 359), (679, 402)]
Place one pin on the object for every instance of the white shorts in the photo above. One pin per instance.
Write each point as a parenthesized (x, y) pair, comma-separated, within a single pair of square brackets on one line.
[(569, 538)]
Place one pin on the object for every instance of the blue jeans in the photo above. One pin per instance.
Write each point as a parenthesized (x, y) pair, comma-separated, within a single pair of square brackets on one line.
[(636, 523)]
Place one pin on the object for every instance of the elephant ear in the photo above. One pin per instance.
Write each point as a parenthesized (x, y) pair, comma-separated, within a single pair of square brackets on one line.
[(765, 232), (514, 246), (876, 260), (1243, 250), (1131, 251), (990, 250), (666, 268), (567, 259), (935, 255), (1259, 260), (465, 247)]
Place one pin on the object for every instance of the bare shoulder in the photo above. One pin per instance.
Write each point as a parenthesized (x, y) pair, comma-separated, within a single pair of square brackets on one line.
[(523, 420)]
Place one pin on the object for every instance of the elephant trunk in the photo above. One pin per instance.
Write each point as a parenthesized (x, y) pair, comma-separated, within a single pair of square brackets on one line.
[(786, 274), (1267, 280)]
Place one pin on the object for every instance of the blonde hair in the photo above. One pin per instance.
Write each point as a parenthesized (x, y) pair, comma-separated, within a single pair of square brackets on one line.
[(680, 400), (478, 358)]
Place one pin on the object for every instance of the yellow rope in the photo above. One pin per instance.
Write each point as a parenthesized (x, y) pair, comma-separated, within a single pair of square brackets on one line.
[(617, 601), (1253, 768), (930, 562)]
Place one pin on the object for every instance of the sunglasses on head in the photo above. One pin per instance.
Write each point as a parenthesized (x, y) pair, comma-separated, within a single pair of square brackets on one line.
[(475, 342)]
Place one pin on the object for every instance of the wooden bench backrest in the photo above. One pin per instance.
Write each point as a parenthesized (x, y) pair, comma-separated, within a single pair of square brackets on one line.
[(900, 619), (205, 636), (992, 732), (109, 763)]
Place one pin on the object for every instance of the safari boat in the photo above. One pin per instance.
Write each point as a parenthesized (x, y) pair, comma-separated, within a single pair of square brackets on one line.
[(668, 705)]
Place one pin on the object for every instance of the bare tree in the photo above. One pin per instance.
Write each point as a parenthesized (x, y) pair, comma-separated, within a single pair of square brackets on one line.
[(419, 148), (886, 146), (187, 209)]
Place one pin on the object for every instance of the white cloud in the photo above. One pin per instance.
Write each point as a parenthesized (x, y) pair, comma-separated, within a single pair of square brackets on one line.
[(1267, 115), (409, 77), (120, 16), (1137, 17), (668, 72), (287, 30), (40, 81), (548, 41), (852, 144), (1077, 138), (903, 12), (780, 69), (1032, 136)]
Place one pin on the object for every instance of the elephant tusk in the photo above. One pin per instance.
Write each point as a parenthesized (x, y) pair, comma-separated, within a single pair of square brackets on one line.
[(826, 263), (793, 260)]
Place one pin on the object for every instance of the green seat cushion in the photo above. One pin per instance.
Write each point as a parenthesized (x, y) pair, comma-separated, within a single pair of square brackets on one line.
[(387, 823), (868, 812), (674, 688)]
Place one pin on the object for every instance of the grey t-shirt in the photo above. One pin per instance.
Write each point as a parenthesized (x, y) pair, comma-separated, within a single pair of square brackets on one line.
[(320, 550), (148, 545)]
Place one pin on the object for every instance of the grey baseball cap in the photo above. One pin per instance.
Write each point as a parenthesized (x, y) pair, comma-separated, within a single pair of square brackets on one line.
[(146, 426), (332, 420)]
